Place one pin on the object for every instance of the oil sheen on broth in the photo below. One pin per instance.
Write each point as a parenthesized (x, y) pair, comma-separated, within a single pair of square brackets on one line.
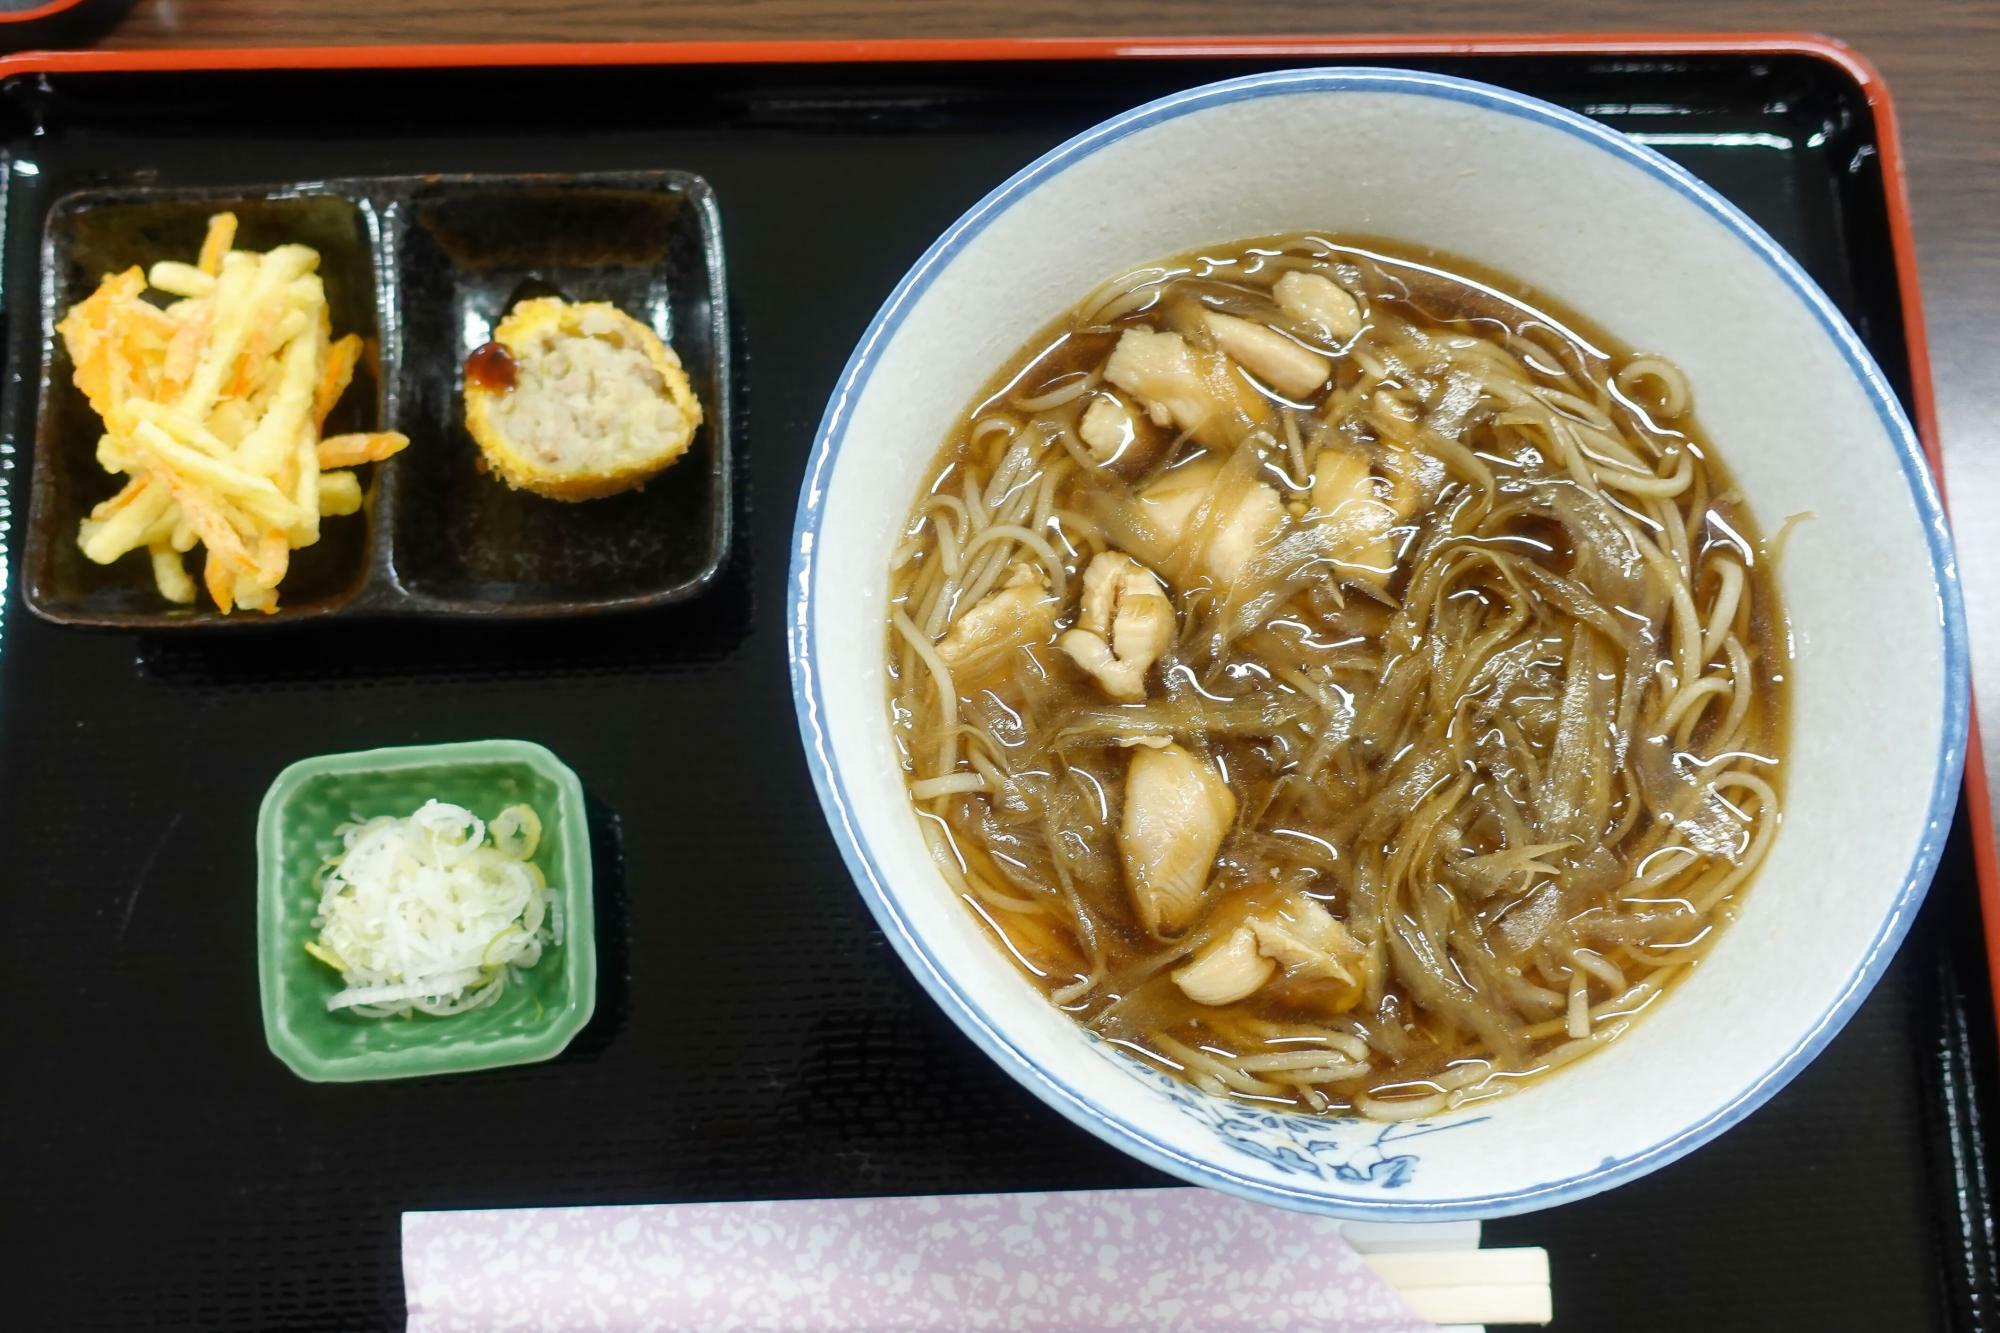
[(1338, 678)]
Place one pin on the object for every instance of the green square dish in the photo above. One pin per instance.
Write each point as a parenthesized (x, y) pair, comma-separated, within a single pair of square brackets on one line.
[(532, 1020)]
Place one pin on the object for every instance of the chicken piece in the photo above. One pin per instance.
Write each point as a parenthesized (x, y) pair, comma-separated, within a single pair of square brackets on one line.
[(1393, 418), (1292, 370), (1169, 506), (1177, 810), (1303, 934), (1323, 964), (1158, 369), (1117, 436), (1243, 532), (1021, 613), (1195, 391), (1108, 428), (1319, 961), (1124, 624), (1226, 972), (1353, 518), (1312, 298)]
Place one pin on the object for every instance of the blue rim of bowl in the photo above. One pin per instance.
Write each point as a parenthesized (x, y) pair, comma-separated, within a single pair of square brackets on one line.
[(987, 1034)]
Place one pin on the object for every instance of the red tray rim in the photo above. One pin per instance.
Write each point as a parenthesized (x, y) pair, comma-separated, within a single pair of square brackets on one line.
[(1846, 59)]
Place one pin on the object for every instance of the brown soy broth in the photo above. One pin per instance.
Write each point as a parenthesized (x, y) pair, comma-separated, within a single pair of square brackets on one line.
[(1038, 857)]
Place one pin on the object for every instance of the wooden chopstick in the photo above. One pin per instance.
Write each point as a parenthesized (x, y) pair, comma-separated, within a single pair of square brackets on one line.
[(1396, 1237), (1471, 1286)]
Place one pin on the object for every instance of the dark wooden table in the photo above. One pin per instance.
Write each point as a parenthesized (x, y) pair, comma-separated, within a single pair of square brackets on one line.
[(1942, 62)]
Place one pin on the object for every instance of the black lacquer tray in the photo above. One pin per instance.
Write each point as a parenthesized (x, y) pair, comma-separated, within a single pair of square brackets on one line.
[(755, 1037)]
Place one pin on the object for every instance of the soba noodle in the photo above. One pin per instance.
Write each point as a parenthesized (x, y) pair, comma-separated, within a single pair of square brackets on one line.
[(1337, 681)]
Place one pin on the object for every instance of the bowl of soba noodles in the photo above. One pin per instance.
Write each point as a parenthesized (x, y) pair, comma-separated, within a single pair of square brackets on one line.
[(1378, 645)]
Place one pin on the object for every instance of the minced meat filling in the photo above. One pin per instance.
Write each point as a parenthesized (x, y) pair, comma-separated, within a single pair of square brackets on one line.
[(587, 404)]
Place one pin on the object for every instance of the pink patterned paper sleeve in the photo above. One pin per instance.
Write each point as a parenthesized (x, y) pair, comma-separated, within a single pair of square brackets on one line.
[(1166, 1259)]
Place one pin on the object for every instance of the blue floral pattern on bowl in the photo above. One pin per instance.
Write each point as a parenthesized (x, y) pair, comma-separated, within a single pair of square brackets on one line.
[(1352, 1151)]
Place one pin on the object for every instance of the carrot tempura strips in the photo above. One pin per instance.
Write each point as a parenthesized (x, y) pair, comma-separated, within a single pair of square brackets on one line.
[(249, 361), (119, 524), (220, 240), (88, 331), (341, 358), (223, 542), (337, 451), (183, 353), (241, 287), (305, 489), (174, 462), (177, 428), (143, 316), (170, 575), (273, 555), (217, 577), (127, 493), (214, 406)]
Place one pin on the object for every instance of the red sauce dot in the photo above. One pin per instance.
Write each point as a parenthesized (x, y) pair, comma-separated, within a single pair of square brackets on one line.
[(491, 367)]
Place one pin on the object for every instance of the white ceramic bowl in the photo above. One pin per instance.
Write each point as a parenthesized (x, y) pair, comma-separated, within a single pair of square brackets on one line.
[(1783, 388)]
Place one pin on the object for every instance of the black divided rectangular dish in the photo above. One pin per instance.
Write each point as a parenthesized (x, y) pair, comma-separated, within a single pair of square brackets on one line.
[(422, 268), (754, 1036), (469, 247)]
